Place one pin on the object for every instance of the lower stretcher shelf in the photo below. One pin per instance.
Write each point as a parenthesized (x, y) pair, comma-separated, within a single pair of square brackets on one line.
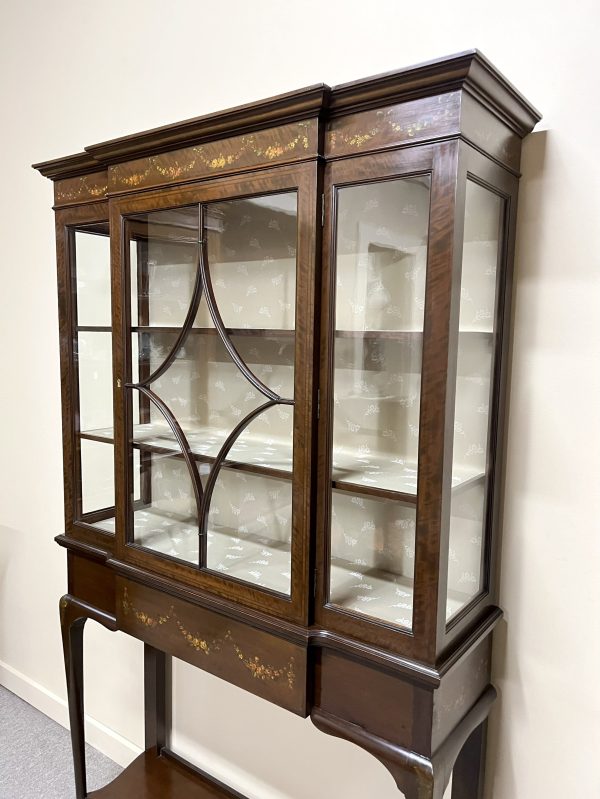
[(154, 776)]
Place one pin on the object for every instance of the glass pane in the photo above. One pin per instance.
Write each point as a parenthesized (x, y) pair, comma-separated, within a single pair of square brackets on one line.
[(250, 529), (252, 255), (106, 520), (92, 272), (97, 477), (235, 356), (93, 361), (381, 260), (373, 556), (165, 519), (483, 221), (163, 254)]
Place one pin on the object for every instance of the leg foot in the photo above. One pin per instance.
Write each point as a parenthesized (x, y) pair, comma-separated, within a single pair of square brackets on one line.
[(72, 638)]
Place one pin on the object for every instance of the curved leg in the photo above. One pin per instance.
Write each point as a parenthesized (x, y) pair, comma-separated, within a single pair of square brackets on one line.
[(73, 615), (416, 775), (469, 769), (72, 637)]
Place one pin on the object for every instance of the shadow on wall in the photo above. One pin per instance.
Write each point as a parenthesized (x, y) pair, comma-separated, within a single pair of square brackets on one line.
[(528, 269)]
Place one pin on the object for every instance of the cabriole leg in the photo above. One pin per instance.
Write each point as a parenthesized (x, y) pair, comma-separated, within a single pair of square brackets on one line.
[(469, 770), (72, 638), (73, 616)]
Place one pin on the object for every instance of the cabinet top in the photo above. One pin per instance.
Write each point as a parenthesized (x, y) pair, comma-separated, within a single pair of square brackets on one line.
[(469, 71)]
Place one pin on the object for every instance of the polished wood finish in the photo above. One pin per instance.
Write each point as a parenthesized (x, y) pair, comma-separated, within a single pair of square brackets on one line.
[(157, 698), (162, 776), (285, 144), (469, 72), (82, 189), (262, 664), (74, 613), (468, 775), (416, 699), (287, 108), (90, 581), (408, 123)]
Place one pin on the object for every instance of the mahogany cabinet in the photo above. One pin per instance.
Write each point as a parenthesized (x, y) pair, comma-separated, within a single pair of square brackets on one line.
[(284, 332)]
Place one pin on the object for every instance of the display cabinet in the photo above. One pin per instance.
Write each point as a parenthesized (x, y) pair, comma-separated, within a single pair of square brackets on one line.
[(284, 333)]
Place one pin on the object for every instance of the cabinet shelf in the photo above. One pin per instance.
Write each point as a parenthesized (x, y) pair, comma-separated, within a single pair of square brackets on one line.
[(380, 477), (383, 476), (212, 331), (399, 335), (388, 335), (154, 776), (253, 454)]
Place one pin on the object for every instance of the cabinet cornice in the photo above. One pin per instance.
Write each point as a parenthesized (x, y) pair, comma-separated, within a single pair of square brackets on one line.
[(469, 71)]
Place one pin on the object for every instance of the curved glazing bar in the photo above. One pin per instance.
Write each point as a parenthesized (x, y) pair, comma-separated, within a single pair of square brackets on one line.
[(207, 390), (180, 437), (185, 328), (220, 326), (220, 459)]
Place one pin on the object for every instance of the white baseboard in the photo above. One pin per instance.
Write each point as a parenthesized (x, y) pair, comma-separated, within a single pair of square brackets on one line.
[(106, 740)]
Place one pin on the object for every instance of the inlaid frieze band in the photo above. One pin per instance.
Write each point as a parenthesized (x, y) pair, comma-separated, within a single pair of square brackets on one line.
[(82, 189), (252, 663), (412, 121), (280, 145)]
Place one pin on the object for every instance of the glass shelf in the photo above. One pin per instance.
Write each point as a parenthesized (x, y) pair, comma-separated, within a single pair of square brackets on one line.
[(400, 335), (211, 331), (379, 477), (252, 452)]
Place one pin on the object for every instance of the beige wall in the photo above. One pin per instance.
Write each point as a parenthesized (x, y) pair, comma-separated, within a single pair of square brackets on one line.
[(73, 73)]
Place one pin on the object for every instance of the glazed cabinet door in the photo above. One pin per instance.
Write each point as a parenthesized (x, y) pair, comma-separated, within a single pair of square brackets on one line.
[(387, 278), (215, 308)]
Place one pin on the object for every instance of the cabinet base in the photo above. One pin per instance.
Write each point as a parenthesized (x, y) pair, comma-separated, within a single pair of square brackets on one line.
[(163, 776)]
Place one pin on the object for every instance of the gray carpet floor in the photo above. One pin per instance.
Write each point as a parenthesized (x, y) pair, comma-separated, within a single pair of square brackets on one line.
[(35, 755)]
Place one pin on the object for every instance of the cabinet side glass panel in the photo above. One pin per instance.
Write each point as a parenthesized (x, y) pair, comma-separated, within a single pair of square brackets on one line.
[(380, 271), (212, 327), (484, 215), (92, 349)]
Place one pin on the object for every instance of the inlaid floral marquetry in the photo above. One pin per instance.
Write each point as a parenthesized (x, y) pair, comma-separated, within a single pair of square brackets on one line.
[(394, 125), (254, 664), (265, 671), (83, 189), (283, 144)]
